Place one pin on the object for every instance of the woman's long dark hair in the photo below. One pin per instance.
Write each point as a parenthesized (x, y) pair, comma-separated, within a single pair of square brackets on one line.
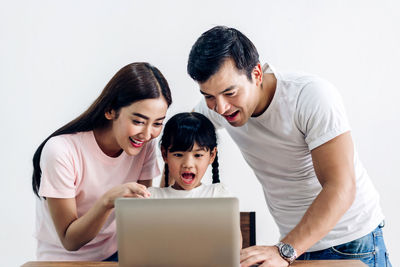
[(183, 130), (134, 82)]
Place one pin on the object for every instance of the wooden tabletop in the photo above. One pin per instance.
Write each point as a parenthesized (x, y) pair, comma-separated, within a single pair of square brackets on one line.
[(322, 263)]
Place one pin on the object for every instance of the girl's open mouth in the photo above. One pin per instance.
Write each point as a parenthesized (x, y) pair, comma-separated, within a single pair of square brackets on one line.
[(188, 177)]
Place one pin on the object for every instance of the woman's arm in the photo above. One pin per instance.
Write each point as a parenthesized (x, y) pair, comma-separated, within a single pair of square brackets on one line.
[(73, 231)]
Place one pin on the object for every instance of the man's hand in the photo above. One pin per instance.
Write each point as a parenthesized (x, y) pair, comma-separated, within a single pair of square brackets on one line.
[(267, 256)]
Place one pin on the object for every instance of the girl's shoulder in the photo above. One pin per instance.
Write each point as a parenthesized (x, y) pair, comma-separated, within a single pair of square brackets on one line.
[(153, 189), (158, 192), (218, 190), (211, 190)]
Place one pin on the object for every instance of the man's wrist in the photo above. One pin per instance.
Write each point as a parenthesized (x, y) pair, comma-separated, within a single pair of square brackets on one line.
[(287, 252)]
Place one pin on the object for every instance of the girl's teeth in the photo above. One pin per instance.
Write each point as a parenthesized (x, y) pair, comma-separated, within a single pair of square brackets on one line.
[(188, 175)]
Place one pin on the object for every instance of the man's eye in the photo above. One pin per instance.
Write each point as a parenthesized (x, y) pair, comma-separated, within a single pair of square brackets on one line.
[(158, 124), (138, 122), (208, 96)]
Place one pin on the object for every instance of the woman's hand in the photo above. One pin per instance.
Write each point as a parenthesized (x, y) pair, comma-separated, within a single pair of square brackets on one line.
[(124, 190), (75, 232)]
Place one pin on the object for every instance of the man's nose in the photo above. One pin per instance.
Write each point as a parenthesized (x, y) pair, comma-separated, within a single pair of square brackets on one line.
[(221, 106)]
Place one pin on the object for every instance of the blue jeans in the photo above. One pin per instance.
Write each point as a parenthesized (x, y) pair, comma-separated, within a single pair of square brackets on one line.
[(113, 257), (370, 249)]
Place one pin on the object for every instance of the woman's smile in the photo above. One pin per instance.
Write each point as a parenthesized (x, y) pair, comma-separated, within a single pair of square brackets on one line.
[(136, 142)]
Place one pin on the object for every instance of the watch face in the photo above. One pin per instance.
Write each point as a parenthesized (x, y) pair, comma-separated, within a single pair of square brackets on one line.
[(287, 251)]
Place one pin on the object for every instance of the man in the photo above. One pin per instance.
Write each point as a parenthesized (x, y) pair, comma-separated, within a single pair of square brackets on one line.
[(293, 132)]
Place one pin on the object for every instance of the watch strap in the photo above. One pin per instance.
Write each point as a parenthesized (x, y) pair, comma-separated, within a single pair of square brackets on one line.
[(292, 257)]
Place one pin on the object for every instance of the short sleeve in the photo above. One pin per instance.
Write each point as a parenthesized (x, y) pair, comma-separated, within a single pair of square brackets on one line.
[(223, 191), (320, 113), (213, 116), (58, 173), (150, 165)]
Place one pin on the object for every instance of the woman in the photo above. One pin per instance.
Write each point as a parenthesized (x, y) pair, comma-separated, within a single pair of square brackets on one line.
[(105, 153)]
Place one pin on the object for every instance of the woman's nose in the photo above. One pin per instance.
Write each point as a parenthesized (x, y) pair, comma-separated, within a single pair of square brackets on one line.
[(146, 133)]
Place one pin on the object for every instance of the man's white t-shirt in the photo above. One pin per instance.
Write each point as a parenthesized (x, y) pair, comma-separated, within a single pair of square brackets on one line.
[(202, 191), (305, 112)]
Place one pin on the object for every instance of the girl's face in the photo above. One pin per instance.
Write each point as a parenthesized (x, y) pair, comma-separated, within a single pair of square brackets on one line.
[(188, 167), (136, 124)]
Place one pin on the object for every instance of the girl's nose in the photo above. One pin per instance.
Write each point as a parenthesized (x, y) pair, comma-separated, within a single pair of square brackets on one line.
[(188, 162)]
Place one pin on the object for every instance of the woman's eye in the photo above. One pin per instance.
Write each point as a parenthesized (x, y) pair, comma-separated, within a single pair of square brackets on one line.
[(198, 155), (177, 155)]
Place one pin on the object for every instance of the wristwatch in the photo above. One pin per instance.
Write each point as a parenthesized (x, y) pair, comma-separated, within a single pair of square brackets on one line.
[(287, 252)]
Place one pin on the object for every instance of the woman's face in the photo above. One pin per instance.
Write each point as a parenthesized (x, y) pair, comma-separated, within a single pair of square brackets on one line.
[(137, 124)]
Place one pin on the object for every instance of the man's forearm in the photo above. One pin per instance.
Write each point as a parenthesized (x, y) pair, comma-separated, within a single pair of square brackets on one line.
[(323, 214)]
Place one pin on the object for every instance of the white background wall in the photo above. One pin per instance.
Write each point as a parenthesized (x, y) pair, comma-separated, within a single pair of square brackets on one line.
[(56, 56)]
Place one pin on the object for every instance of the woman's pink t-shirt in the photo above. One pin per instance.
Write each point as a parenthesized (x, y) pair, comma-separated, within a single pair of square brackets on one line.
[(74, 166)]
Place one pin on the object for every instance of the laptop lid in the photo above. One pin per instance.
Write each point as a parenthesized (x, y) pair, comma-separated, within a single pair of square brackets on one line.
[(178, 232)]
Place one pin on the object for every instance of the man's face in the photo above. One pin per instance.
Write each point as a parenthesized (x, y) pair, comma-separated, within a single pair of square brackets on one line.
[(230, 93)]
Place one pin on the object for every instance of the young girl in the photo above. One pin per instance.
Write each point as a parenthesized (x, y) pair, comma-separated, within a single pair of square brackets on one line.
[(105, 153), (188, 147)]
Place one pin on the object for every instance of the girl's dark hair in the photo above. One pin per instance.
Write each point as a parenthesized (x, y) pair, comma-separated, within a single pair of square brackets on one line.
[(215, 46), (132, 83), (185, 129)]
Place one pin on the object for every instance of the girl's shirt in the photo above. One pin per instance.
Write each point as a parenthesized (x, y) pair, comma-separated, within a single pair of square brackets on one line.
[(74, 166), (212, 190)]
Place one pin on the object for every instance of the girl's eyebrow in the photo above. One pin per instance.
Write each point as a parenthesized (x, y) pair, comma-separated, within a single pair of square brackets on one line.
[(145, 117)]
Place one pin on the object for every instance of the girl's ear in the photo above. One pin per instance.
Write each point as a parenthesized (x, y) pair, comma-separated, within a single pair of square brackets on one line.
[(110, 114), (164, 154), (213, 153)]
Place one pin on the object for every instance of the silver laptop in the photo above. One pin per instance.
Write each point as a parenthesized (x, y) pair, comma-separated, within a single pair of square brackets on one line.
[(178, 232)]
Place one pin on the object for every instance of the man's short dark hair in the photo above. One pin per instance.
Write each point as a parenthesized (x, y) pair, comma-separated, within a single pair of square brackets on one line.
[(215, 46)]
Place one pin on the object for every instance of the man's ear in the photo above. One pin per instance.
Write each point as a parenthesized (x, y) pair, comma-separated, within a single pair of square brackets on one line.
[(258, 74), (213, 154), (110, 114), (164, 154)]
